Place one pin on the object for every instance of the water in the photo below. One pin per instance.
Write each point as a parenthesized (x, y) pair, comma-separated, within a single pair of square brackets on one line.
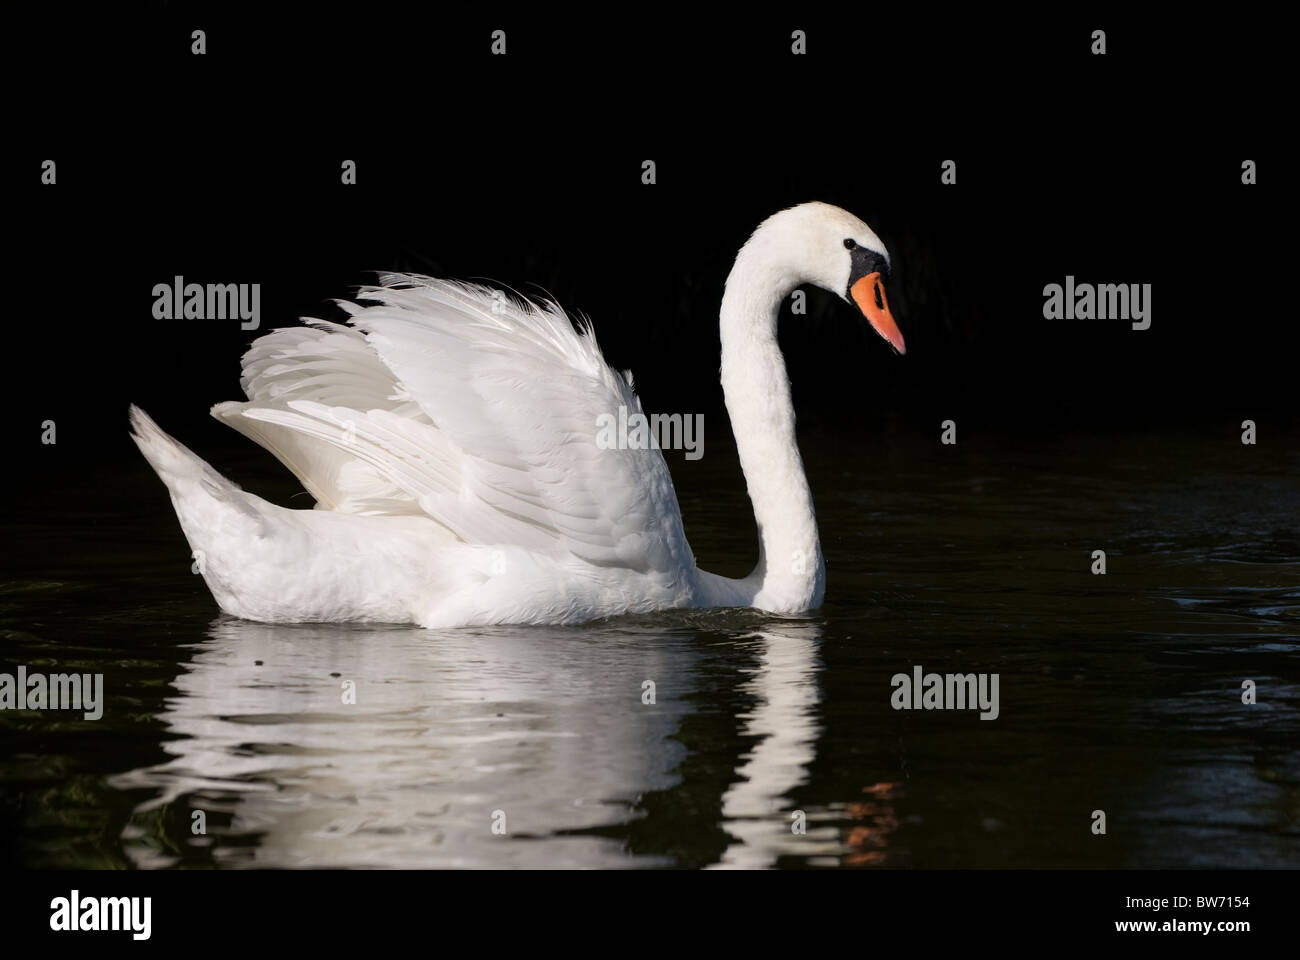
[(1119, 693)]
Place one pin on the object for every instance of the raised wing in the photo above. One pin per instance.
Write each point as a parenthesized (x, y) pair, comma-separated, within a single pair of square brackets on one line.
[(473, 408)]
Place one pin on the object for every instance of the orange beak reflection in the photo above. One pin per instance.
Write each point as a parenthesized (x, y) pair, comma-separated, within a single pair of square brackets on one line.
[(869, 294)]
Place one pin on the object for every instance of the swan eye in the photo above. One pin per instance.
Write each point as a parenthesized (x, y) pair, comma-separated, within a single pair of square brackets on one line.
[(850, 244)]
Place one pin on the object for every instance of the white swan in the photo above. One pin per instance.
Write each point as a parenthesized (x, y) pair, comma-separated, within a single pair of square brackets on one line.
[(448, 436)]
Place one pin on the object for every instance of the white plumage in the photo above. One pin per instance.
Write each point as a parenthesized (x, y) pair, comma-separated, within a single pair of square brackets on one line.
[(448, 436)]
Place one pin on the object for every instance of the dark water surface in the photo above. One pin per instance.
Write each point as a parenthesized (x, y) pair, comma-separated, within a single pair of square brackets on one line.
[(1119, 693)]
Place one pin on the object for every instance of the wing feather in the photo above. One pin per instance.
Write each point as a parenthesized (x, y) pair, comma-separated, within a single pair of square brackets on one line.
[(474, 408)]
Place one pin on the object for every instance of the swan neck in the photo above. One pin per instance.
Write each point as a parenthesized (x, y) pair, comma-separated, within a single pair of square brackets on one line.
[(790, 576)]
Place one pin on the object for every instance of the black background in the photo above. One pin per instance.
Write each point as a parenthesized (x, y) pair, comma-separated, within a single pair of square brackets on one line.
[(526, 169)]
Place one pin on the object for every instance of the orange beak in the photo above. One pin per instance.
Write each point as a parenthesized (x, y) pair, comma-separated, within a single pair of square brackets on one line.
[(869, 294)]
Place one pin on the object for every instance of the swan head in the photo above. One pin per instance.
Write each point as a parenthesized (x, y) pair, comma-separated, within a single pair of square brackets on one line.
[(824, 245)]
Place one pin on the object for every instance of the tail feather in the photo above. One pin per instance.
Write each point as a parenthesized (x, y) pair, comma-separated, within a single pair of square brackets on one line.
[(182, 470)]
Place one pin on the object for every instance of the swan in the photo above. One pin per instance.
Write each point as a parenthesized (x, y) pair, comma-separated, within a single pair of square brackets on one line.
[(448, 435)]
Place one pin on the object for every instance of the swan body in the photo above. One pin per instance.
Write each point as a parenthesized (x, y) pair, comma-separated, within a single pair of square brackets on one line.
[(447, 434)]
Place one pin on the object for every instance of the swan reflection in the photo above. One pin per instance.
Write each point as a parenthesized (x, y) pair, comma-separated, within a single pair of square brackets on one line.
[(758, 808), (546, 725), (451, 730)]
